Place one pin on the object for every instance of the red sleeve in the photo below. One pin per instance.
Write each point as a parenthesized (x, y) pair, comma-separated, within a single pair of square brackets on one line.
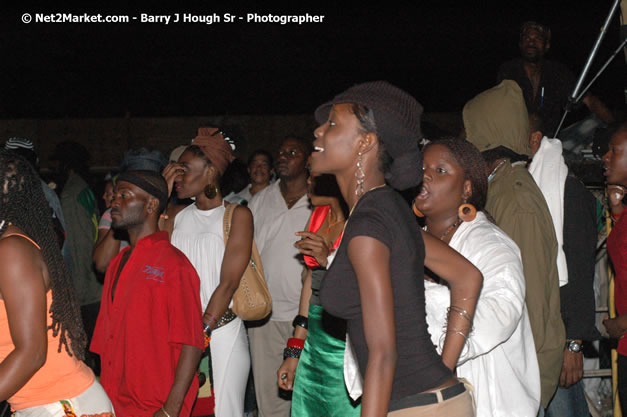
[(185, 313)]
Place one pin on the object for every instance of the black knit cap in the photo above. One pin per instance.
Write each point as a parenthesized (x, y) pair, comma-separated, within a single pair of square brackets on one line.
[(397, 118)]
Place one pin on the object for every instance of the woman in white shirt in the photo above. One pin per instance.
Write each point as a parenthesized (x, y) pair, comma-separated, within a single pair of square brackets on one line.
[(499, 358)]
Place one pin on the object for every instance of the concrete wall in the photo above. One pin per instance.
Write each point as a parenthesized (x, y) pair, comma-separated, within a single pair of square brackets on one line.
[(108, 138)]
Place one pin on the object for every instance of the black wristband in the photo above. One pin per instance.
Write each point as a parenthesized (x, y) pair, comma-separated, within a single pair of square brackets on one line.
[(301, 321)]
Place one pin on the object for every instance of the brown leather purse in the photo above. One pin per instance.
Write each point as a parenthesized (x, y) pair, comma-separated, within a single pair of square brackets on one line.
[(251, 300)]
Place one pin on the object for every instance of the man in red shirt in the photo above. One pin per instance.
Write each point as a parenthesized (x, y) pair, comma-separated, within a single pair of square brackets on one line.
[(149, 330)]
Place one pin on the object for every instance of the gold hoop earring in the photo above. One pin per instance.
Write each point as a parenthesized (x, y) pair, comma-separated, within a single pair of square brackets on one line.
[(210, 191), (361, 176), (467, 212)]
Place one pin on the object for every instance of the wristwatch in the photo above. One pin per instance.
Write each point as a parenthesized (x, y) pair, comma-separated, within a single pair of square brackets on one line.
[(573, 346)]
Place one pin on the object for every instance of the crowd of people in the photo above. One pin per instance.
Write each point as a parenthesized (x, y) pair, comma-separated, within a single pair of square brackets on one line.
[(471, 299)]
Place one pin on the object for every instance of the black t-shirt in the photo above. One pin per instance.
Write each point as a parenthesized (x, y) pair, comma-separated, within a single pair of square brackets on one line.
[(558, 83), (383, 215)]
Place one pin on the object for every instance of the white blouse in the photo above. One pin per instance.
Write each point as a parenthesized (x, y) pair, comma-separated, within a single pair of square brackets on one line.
[(199, 235), (499, 359)]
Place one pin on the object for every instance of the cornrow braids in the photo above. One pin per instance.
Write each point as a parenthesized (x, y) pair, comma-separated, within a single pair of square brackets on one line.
[(473, 164), (23, 204)]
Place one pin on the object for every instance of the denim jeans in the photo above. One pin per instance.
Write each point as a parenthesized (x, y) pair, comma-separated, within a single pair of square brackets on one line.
[(568, 402)]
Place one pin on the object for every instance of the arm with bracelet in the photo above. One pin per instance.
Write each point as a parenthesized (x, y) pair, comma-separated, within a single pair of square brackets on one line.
[(291, 354)]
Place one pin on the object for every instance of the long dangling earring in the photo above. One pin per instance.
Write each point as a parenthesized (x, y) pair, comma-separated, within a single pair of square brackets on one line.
[(211, 191), (417, 212), (360, 175), (467, 212)]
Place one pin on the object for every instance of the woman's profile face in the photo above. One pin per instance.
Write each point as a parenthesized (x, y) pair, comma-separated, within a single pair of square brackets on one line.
[(335, 147), (615, 160), (107, 196), (194, 177), (442, 190)]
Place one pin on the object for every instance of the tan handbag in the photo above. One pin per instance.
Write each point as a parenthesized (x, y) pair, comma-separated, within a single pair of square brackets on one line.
[(251, 300)]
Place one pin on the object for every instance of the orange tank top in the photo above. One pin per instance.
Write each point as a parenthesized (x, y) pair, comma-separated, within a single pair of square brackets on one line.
[(62, 376)]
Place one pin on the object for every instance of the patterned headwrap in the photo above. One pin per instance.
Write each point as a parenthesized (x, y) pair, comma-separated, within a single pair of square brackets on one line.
[(216, 146)]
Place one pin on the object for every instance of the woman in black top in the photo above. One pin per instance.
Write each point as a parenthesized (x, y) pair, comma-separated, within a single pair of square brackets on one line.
[(369, 134)]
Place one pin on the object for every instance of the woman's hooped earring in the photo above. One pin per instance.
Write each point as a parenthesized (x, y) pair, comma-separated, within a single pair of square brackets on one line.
[(360, 175), (417, 212), (211, 191), (467, 212)]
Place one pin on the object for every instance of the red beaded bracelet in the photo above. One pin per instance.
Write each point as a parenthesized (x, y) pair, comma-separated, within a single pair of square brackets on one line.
[(294, 342)]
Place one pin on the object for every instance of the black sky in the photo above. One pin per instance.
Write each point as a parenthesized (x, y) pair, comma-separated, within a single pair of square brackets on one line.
[(442, 52)]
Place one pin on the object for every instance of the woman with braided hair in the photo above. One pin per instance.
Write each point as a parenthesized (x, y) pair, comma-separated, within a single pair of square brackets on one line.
[(42, 340), (499, 357)]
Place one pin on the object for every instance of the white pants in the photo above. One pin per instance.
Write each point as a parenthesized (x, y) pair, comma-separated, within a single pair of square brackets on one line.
[(93, 401), (230, 361)]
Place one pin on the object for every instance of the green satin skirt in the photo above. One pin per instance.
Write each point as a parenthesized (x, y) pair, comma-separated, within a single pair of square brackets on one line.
[(319, 389)]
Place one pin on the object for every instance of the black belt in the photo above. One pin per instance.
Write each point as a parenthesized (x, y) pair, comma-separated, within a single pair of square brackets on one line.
[(427, 398)]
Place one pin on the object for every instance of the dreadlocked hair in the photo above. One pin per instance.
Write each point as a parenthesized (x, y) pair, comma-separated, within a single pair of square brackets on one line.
[(470, 159), (23, 204)]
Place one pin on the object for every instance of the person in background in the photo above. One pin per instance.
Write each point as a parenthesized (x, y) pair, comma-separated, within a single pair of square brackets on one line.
[(496, 122), (280, 210), (547, 85), (573, 210), (318, 386), (107, 194), (615, 171), (499, 359), (109, 241), (42, 340), (260, 172), (149, 330), (80, 210)]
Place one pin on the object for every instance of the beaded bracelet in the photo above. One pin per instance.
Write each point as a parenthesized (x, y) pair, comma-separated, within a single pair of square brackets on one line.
[(294, 342), (301, 321), (291, 352)]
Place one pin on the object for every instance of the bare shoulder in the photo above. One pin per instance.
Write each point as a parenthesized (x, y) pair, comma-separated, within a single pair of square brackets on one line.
[(20, 260)]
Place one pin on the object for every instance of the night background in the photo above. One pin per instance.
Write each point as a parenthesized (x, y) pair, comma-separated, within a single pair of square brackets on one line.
[(442, 52)]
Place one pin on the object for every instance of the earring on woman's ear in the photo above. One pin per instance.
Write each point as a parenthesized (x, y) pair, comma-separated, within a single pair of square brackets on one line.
[(467, 212), (417, 212), (211, 191), (361, 176)]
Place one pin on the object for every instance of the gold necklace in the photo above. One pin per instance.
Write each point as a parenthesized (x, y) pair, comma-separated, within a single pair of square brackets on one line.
[(331, 224), (362, 196)]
